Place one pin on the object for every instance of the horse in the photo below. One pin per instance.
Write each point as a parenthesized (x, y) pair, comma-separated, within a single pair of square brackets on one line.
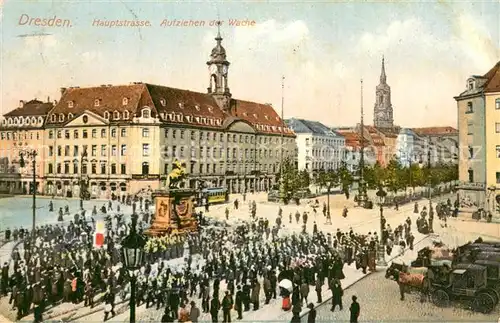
[(409, 278)]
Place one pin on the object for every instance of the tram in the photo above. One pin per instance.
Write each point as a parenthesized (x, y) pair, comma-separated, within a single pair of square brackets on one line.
[(215, 195)]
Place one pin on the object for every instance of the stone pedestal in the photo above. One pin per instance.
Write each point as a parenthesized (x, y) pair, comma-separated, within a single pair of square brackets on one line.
[(174, 212)]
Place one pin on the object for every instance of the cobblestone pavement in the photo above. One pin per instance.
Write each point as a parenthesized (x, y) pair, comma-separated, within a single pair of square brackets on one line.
[(379, 301)]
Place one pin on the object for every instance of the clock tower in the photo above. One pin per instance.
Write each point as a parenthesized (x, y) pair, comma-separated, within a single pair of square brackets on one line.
[(382, 112), (218, 67)]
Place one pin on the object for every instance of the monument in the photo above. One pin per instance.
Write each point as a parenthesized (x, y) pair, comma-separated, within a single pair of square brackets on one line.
[(174, 206)]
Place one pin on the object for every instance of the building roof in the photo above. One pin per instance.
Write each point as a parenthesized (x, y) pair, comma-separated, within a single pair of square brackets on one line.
[(390, 132), (193, 107), (493, 79), (31, 108), (352, 139), (312, 127), (435, 131)]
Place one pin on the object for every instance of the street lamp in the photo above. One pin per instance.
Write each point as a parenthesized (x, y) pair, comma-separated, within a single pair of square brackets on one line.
[(133, 255), (491, 191), (381, 194), (83, 188), (32, 155)]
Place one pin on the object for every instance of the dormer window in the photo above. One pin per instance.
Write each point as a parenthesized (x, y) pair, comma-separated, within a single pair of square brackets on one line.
[(181, 105), (470, 108), (116, 115), (197, 119), (97, 102), (277, 119), (245, 114), (70, 115), (146, 113), (189, 118), (470, 85), (70, 104), (211, 122), (197, 107), (52, 118), (124, 101), (21, 121), (106, 115), (210, 109), (179, 117), (255, 115), (125, 114), (163, 102), (204, 120), (267, 118), (61, 117)]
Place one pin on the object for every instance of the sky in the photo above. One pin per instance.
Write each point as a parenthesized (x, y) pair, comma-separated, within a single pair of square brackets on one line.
[(323, 49)]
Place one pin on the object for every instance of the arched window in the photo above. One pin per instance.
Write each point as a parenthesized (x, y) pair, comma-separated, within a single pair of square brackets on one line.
[(470, 108), (145, 168), (33, 120), (53, 118), (70, 115), (125, 115), (146, 113), (15, 121), (497, 104), (61, 117), (125, 101), (106, 115), (116, 114), (40, 120)]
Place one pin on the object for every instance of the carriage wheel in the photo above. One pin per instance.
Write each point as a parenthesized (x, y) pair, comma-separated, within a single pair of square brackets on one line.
[(440, 298), (483, 303)]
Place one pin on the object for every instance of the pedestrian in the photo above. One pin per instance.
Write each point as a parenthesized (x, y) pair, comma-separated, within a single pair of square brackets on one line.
[(337, 294), (194, 313), (166, 318), (227, 305), (354, 309), (214, 309), (318, 288), (183, 313), (238, 303), (304, 292), (311, 318)]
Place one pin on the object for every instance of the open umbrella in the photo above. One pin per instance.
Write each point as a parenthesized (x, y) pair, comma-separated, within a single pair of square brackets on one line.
[(286, 284)]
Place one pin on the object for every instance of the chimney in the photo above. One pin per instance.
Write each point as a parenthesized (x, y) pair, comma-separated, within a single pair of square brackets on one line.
[(48, 99), (55, 102), (63, 90), (21, 103)]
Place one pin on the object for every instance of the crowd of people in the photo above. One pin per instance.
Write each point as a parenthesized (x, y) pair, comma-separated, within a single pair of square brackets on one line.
[(228, 270)]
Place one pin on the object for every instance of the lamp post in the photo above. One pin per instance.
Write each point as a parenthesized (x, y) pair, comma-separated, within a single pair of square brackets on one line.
[(491, 191), (32, 155), (83, 188), (133, 254), (381, 194)]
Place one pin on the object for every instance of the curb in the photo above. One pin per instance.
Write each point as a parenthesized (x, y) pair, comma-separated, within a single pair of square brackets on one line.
[(360, 279)]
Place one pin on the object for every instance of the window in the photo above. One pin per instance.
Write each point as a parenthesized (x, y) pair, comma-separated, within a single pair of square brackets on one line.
[(70, 104), (113, 150), (208, 168), (214, 152), (84, 134), (202, 152), (123, 150), (94, 168), (145, 149), (470, 108), (103, 168), (246, 139), (241, 139), (234, 152), (113, 133), (75, 134), (201, 135), (221, 137), (201, 168), (103, 150), (113, 169), (51, 134), (61, 118), (123, 169), (182, 152), (94, 151), (66, 134), (75, 151), (145, 132), (94, 133), (59, 134), (146, 114), (145, 168), (52, 118), (103, 133), (182, 134), (84, 168), (470, 85), (125, 101), (59, 168), (497, 104), (96, 103), (51, 150), (497, 127), (125, 114), (166, 133), (51, 169), (59, 151), (75, 168), (123, 132), (174, 134), (193, 152), (471, 152), (471, 176), (106, 115), (66, 168), (174, 151), (193, 135), (208, 152)]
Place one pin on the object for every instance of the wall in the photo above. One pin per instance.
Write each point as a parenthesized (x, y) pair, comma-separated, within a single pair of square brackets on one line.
[(492, 139)]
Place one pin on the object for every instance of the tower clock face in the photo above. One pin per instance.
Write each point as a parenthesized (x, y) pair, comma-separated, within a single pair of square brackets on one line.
[(224, 70), (213, 69)]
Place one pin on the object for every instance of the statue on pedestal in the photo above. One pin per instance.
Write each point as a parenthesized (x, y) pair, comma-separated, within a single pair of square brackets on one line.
[(177, 175)]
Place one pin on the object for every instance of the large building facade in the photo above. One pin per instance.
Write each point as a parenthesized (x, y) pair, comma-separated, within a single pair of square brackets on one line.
[(478, 110), (319, 147), (125, 138), (22, 131)]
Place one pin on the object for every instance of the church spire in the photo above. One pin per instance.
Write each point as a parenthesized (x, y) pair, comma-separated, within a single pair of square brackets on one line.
[(383, 77), (218, 38)]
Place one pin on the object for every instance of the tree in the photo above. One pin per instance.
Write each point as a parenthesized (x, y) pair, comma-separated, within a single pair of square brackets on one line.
[(304, 179), (394, 176), (328, 179), (290, 182), (345, 178)]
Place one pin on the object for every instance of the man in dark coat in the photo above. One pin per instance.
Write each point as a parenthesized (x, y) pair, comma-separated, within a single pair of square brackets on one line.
[(337, 294), (318, 287), (246, 298), (214, 309), (311, 318), (227, 305), (354, 309), (239, 302)]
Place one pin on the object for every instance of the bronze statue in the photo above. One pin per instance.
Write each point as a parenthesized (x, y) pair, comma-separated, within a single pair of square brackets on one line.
[(177, 175)]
